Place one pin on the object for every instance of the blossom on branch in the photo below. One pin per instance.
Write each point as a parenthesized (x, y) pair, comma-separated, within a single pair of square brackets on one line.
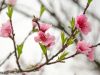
[(6, 30), (82, 24), (45, 38), (85, 48)]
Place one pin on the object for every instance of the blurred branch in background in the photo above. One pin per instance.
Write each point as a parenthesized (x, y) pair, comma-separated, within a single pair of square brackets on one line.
[(59, 26), (1, 5), (6, 58)]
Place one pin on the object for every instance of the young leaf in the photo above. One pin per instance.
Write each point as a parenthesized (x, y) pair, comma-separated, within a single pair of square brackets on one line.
[(70, 41), (42, 10), (10, 11), (89, 1), (63, 38), (72, 22), (76, 32), (34, 30), (44, 49), (63, 55), (19, 49)]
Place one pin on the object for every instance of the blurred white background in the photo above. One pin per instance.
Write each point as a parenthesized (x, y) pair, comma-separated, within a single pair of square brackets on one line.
[(22, 22)]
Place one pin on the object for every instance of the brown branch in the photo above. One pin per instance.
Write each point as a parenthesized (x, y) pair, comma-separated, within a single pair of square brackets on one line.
[(14, 43), (86, 8), (95, 45), (48, 61), (63, 59), (61, 50)]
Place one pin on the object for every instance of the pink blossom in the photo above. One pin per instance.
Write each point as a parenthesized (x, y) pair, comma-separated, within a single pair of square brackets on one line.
[(82, 24), (34, 24), (44, 27), (85, 48), (45, 38), (91, 55), (11, 2), (5, 30)]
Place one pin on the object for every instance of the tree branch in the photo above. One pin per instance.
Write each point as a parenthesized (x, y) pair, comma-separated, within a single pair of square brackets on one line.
[(14, 43)]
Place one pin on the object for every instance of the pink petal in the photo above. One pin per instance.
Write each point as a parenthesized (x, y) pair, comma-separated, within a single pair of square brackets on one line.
[(50, 40), (82, 47), (44, 27), (37, 39), (11, 2), (85, 48), (34, 24), (91, 55), (5, 30)]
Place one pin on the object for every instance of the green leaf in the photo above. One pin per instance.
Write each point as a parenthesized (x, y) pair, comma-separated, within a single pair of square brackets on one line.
[(72, 22), (10, 11), (76, 32), (89, 1), (63, 55), (70, 41), (63, 38), (19, 49), (44, 48), (42, 10), (35, 30)]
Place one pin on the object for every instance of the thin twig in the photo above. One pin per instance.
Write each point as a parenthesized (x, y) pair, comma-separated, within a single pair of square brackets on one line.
[(27, 37), (95, 45), (14, 43), (6, 58), (2, 3), (86, 8)]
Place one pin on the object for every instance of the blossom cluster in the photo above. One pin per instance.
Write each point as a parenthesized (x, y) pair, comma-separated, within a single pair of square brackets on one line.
[(45, 38), (81, 23), (84, 27)]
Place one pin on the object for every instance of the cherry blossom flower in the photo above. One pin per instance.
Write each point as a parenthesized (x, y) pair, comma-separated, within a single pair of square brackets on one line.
[(82, 24), (45, 38), (44, 27), (11, 2), (5, 30), (85, 48)]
